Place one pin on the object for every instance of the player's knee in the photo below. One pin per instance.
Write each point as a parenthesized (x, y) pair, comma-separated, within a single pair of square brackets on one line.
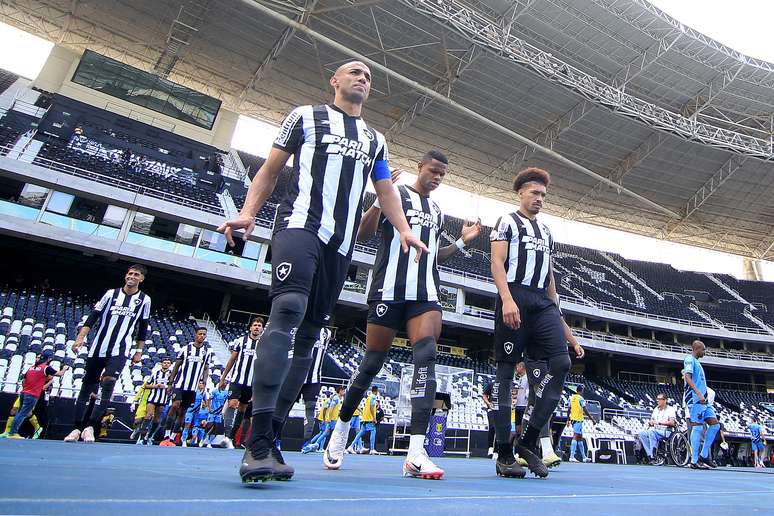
[(308, 333), (107, 383), (559, 366), (233, 404), (372, 363), (424, 352), (287, 311)]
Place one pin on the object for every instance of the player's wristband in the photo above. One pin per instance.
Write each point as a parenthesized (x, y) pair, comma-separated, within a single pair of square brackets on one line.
[(460, 243)]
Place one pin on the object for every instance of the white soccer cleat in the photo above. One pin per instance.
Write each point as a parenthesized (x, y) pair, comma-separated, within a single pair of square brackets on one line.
[(573, 459), (586, 459), (420, 466), (333, 456), (490, 452), (88, 435), (73, 436), (227, 443)]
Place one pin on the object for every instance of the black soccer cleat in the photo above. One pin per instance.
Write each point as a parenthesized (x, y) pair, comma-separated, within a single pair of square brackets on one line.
[(534, 462), (699, 465), (506, 466), (708, 462), (261, 463)]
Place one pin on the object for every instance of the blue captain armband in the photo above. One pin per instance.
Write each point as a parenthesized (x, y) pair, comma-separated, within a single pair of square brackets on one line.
[(381, 171)]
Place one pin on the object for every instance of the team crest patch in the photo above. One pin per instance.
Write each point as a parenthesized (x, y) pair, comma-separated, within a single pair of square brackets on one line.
[(381, 309), (137, 301), (283, 270), (536, 373), (508, 346)]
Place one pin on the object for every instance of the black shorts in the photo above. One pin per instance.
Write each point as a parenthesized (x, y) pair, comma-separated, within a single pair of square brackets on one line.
[(97, 367), (541, 334), (302, 263), (394, 314), (186, 399), (310, 391), (240, 392)]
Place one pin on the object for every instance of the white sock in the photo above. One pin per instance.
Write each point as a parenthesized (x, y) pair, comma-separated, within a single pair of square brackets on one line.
[(545, 444), (416, 445), (342, 427), (167, 434)]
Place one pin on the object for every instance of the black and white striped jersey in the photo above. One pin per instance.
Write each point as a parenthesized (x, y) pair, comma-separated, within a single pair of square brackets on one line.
[(334, 153), (191, 370), (242, 371), (396, 275), (118, 319), (318, 357), (529, 250), (159, 396)]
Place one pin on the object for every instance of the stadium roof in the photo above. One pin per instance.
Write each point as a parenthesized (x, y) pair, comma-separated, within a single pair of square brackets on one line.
[(646, 125)]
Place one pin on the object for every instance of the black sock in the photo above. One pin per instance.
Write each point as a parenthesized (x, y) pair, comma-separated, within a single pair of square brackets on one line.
[(261, 433), (530, 437)]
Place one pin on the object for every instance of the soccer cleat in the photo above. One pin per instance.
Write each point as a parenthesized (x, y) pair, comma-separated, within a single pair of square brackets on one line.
[(521, 462), (209, 445), (73, 436), (228, 444), (309, 448), (15, 436), (489, 452), (88, 435), (350, 451), (587, 459), (420, 466), (5, 435), (507, 466), (37, 433), (534, 462), (707, 461), (573, 459), (551, 461), (698, 465), (373, 452), (334, 454), (261, 463)]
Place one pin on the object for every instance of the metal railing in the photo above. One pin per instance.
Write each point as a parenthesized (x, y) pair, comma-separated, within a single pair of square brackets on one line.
[(674, 348)]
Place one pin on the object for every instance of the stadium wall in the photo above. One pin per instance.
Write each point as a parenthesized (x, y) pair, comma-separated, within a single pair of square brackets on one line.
[(59, 68)]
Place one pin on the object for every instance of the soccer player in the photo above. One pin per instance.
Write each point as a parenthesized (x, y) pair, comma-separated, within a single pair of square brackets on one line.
[(700, 411), (157, 386), (314, 235), (522, 393), (404, 295), (195, 414), (331, 414), (311, 388), (577, 412), (528, 322), (218, 399), (491, 414), (120, 315), (367, 424), (756, 437), (240, 383), (139, 407), (191, 367)]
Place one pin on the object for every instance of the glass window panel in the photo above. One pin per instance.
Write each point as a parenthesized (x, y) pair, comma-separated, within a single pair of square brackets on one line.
[(142, 223), (60, 202), (114, 216), (33, 195)]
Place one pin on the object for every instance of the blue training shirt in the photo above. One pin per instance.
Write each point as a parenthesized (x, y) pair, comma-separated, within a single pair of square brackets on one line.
[(692, 366), (218, 398), (755, 432)]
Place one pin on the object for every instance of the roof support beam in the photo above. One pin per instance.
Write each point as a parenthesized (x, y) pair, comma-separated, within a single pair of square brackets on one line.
[(723, 174), (617, 173), (705, 97), (455, 105), (182, 30), (444, 84), (649, 56), (273, 54)]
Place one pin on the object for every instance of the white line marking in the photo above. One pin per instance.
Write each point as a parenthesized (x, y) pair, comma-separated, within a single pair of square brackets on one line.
[(370, 498)]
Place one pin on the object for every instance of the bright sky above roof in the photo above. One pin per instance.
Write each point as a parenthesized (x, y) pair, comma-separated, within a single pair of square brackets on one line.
[(743, 25)]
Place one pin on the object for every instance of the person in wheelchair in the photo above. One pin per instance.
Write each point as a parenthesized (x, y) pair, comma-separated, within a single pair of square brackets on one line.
[(662, 422)]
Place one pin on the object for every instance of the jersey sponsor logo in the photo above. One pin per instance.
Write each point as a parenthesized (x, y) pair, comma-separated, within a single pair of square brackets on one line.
[(508, 347), (536, 244), (381, 309), (420, 218), (369, 134), (347, 148), (283, 270), (121, 311), (287, 127)]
